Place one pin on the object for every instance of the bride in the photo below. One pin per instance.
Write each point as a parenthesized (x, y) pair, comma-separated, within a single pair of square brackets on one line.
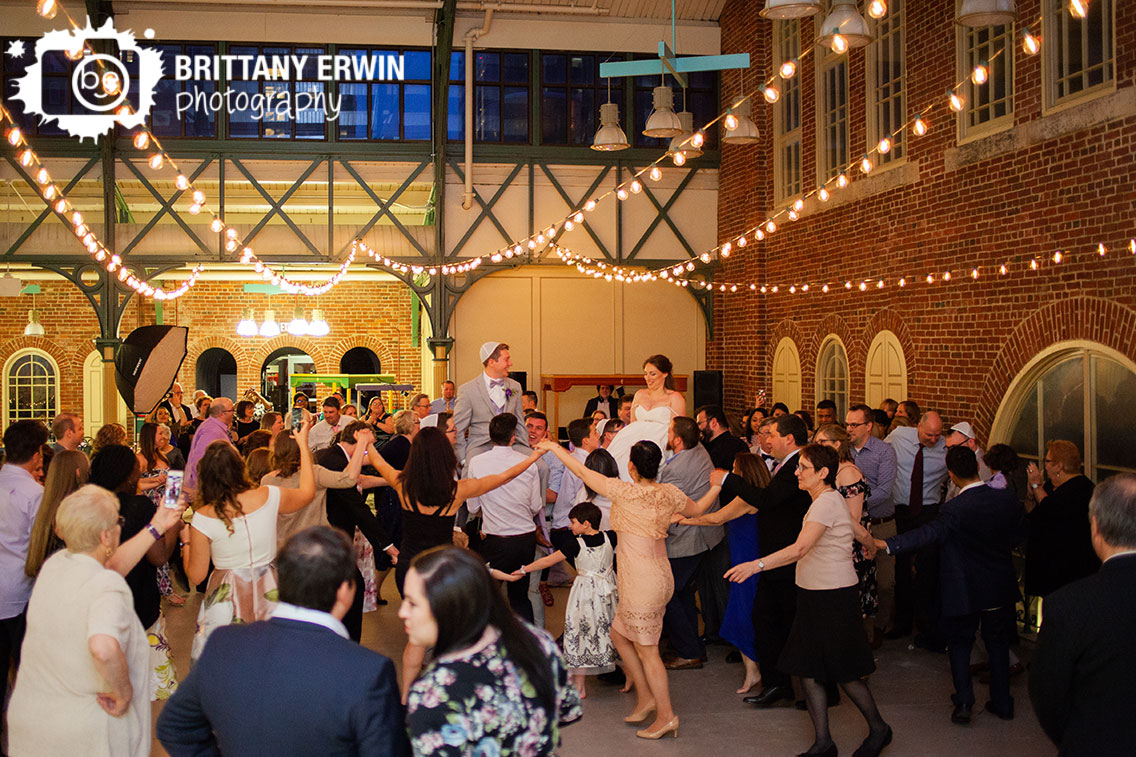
[(651, 412)]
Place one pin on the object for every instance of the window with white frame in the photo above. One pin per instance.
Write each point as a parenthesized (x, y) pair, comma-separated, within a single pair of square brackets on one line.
[(832, 114), (31, 387), (1080, 54), (832, 374), (989, 105), (787, 114), (886, 82)]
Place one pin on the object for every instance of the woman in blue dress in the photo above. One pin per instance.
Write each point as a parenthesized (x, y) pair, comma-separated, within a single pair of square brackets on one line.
[(741, 526)]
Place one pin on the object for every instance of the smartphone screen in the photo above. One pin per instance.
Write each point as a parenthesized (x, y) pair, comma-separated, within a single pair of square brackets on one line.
[(173, 489), (297, 418)]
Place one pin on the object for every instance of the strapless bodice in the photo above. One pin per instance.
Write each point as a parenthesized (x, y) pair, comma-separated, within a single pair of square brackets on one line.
[(658, 414)]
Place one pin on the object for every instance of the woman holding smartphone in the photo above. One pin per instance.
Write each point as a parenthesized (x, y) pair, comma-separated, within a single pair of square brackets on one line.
[(155, 468)]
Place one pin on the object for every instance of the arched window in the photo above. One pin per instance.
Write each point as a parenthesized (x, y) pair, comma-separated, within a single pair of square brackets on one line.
[(832, 374), (31, 387), (216, 373), (359, 360), (1079, 391), (885, 376), (787, 374)]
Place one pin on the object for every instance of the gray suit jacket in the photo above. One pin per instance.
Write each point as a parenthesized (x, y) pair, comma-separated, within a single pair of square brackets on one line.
[(474, 410), (690, 471)]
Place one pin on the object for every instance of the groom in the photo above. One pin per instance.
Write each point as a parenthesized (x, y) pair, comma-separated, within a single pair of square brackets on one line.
[(486, 396)]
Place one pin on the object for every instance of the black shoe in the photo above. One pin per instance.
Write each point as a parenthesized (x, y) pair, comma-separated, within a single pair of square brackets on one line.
[(769, 696), (830, 752), (867, 749), (734, 657), (707, 640), (961, 714), (1007, 714)]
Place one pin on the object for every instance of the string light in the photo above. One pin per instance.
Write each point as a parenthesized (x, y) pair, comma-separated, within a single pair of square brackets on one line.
[(839, 45), (919, 128), (1030, 43), (980, 74), (788, 69), (730, 122), (866, 165), (884, 147), (771, 93), (1079, 8), (877, 9), (956, 100)]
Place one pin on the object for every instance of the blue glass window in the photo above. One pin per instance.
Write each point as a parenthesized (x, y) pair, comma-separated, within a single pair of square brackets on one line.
[(501, 97), (391, 110), (570, 97)]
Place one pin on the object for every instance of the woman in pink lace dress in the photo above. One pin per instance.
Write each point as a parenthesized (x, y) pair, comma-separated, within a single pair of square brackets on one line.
[(640, 514)]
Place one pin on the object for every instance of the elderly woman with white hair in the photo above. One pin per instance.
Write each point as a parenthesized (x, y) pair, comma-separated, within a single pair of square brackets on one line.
[(84, 676)]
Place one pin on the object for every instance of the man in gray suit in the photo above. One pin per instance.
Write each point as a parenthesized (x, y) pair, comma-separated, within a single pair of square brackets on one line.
[(687, 546), (479, 400)]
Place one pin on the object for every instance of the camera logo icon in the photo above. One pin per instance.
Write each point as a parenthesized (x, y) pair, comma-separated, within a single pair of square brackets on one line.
[(113, 85)]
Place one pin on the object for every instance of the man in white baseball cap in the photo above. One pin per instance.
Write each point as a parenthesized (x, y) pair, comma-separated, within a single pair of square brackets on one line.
[(962, 433)]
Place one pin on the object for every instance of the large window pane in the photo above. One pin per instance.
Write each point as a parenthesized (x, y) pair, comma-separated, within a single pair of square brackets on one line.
[(352, 111), (1063, 402), (515, 114), (1115, 414), (1023, 437), (385, 111), (416, 111)]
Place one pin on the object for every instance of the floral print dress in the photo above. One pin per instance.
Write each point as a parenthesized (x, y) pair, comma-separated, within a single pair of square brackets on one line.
[(865, 566), (481, 705)]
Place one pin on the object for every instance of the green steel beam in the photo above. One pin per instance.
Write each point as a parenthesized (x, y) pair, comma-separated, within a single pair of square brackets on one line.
[(278, 206), (47, 211), (167, 207), (662, 214), (578, 205), (487, 209), (384, 205)]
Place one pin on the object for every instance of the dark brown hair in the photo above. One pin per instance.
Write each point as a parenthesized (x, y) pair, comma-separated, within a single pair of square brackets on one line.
[(663, 364), (428, 476), (221, 479)]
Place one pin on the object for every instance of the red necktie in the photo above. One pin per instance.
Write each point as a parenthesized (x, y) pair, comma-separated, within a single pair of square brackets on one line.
[(915, 498)]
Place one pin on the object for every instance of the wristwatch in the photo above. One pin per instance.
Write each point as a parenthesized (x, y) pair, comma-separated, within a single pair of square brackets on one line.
[(1034, 486), (760, 565)]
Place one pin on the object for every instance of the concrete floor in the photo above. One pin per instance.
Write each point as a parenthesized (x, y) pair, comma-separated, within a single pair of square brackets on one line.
[(911, 687)]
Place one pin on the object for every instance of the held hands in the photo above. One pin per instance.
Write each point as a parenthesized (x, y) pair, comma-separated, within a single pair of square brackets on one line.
[(880, 546), (547, 446), (113, 702), (461, 539), (366, 437), (515, 576)]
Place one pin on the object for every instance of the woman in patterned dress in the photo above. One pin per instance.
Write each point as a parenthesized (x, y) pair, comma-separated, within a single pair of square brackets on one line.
[(497, 686), (641, 512)]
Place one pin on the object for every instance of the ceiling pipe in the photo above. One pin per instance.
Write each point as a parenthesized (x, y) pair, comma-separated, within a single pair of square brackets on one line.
[(470, 37), (414, 5)]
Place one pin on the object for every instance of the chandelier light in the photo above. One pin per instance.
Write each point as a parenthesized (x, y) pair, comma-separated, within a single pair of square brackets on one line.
[(318, 326), (783, 9), (298, 326), (663, 123), (269, 328), (980, 13), (610, 136), (745, 130), (844, 27), (247, 326)]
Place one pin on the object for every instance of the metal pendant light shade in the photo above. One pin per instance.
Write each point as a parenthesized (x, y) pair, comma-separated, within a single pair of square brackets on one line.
[(682, 143), (34, 327), (846, 21), (663, 123), (782, 9), (746, 132), (610, 136), (979, 13)]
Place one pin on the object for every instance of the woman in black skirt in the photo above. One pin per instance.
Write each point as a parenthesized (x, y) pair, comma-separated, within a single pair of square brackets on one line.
[(827, 641)]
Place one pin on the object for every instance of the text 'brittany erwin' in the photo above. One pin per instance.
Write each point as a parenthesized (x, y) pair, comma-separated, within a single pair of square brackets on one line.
[(373, 67)]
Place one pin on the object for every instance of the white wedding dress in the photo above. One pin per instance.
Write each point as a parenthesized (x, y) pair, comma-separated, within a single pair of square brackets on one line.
[(649, 425)]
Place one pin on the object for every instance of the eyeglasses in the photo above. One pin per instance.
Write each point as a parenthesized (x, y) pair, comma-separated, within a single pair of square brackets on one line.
[(856, 425), (802, 466), (121, 521)]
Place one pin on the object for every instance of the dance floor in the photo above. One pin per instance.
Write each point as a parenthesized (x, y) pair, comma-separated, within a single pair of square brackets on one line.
[(912, 688)]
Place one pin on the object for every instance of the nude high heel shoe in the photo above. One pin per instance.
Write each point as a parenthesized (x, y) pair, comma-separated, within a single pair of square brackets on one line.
[(639, 716), (671, 728)]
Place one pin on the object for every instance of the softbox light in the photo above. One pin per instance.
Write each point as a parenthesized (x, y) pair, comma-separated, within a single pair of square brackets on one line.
[(147, 364)]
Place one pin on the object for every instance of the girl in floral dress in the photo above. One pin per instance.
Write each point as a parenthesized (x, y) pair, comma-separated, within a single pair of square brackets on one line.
[(588, 649)]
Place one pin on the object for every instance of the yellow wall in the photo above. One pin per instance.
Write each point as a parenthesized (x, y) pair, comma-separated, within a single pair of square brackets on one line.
[(556, 320)]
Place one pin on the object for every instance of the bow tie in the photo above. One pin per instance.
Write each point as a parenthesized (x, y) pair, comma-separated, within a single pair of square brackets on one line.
[(496, 382)]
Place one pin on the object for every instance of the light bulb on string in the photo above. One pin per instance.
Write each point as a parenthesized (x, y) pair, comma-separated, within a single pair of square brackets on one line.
[(823, 194), (974, 273), (14, 136), (1030, 44), (824, 289), (799, 205), (1033, 264), (902, 282), (141, 140), (1132, 246), (771, 93), (930, 279), (578, 218), (49, 192), (655, 173), (838, 44), (758, 234), (181, 182), (956, 100), (1058, 257), (590, 205), (698, 139), (793, 214), (61, 206), (1079, 8), (621, 193), (877, 9), (194, 209), (678, 158), (730, 122), (636, 187), (947, 276), (770, 226), (47, 8), (1002, 269), (156, 161), (27, 157), (919, 128), (866, 165), (980, 74), (842, 181), (217, 225), (884, 147), (1101, 249), (788, 69), (199, 197), (742, 242)]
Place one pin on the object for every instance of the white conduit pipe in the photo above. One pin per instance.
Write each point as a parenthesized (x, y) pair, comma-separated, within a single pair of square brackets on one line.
[(470, 37)]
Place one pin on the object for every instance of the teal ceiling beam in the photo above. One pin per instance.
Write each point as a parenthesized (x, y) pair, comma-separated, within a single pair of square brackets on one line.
[(669, 63)]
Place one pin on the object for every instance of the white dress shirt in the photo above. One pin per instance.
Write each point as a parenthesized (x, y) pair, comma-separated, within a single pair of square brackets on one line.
[(570, 485), (308, 615), (511, 509), (496, 393), (20, 497), (322, 433)]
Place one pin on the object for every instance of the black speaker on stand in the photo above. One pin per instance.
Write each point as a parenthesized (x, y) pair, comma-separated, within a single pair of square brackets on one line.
[(707, 388), (522, 378), (147, 364)]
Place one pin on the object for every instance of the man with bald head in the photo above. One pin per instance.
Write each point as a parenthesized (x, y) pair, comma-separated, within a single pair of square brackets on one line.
[(921, 470), (215, 427)]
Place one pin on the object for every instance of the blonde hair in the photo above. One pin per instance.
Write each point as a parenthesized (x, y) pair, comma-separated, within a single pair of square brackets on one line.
[(108, 434), (838, 434), (1065, 454), (83, 516), (67, 472), (404, 421)]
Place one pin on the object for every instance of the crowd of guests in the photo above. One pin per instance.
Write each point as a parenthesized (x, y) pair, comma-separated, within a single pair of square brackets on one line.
[(803, 547)]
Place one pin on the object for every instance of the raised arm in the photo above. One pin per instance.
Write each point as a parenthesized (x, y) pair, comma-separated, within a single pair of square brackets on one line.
[(597, 482), (132, 550), (292, 500)]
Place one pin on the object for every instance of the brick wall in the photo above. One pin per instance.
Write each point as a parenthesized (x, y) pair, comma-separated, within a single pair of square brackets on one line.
[(363, 314), (1056, 181)]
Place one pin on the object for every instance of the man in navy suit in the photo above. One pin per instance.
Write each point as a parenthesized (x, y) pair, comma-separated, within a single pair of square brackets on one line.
[(295, 684), (1083, 678), (976, 533)]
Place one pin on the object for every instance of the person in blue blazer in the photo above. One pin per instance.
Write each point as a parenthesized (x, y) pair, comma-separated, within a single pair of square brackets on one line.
[(294, 684), (976, 532)]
